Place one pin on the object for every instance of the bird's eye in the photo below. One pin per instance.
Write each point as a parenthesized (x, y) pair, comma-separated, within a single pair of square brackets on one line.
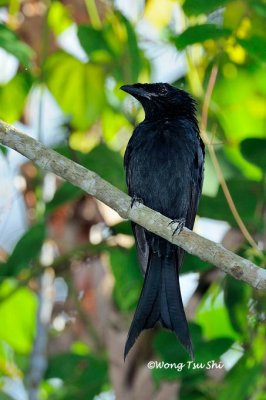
[(163, 90)]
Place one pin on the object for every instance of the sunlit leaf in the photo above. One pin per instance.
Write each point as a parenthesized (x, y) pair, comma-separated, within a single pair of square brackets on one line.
[(240, 105), (199, 34), (254, 150), (78, 88), (10, 42), (13, 97), (58, 17), (18, 314), (25, 251), (212, 316)]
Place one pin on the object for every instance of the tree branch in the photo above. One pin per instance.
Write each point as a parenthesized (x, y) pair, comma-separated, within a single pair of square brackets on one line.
[(153, 221)]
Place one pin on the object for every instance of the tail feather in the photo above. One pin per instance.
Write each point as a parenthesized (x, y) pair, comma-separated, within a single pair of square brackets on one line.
[(160, 300), (148, 309), (175, 305)]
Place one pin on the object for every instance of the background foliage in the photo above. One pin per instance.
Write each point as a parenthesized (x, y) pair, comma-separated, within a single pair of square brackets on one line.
[(95, 280)]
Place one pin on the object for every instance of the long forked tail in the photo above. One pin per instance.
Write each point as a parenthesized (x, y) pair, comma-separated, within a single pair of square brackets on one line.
[(160, 300)]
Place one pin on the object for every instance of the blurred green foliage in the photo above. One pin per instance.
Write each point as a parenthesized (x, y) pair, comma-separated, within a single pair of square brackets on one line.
[(230, 314)]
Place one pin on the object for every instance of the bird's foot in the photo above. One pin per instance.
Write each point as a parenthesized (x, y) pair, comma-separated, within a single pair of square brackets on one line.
[(135, 200), (180, 223)]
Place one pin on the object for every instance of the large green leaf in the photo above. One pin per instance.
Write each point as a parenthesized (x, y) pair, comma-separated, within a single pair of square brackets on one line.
[(10, 42), (59, 17), (126, 290), (242, 380), (240, 105), (255, 46), (254, 150), (192, 7), (84, 375), (212, 315), (246, 195), (13, 97), (199, 34), (18, 314), (236, 297), (106, 163), (26, 250), (78, 88), (94, 43)]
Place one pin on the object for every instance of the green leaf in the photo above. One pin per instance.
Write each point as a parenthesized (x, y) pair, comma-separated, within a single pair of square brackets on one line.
[(200, 33), (236, 297), (254, 150), (255, 46), (241, 381), (126, 291), (10, 42), (59, 17), (194, 264), (123, 227), (246, 195), (192, 7), (259, 7), (93, 42), (18, 314), (3, 150), (66, 193), (106, 163), (4, 396), (26, 250), (212, 316), (77, 87), (132, 53), (13, 97), (83, 376)]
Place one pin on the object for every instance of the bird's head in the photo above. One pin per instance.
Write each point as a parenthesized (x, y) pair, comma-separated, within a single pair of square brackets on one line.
[(161, 100)]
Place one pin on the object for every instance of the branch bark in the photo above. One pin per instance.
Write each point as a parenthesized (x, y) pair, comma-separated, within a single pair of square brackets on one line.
[(153, 221)]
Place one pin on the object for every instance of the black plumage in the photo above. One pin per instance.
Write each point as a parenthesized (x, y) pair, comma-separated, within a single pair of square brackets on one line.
[(164, 169)]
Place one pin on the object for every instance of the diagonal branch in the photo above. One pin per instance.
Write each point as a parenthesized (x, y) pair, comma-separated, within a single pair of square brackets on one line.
[(153, 221)]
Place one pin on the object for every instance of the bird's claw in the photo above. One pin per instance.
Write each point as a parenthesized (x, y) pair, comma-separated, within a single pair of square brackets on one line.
[(180, 223), (137, 200)]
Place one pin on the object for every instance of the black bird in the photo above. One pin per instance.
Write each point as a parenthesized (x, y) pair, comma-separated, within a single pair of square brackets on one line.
[(164, 169)]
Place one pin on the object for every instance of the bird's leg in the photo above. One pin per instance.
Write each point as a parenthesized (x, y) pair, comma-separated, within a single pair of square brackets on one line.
[(137, 200), (180, 223)]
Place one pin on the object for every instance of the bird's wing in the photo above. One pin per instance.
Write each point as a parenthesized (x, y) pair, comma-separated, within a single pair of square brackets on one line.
[(138, 231), (196, 185)]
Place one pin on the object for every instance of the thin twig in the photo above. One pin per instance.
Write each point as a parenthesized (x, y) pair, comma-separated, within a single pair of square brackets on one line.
[(216, 164), (153, 221)]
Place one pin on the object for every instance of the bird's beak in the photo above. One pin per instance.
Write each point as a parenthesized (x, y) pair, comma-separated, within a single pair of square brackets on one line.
[(136, 92)]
